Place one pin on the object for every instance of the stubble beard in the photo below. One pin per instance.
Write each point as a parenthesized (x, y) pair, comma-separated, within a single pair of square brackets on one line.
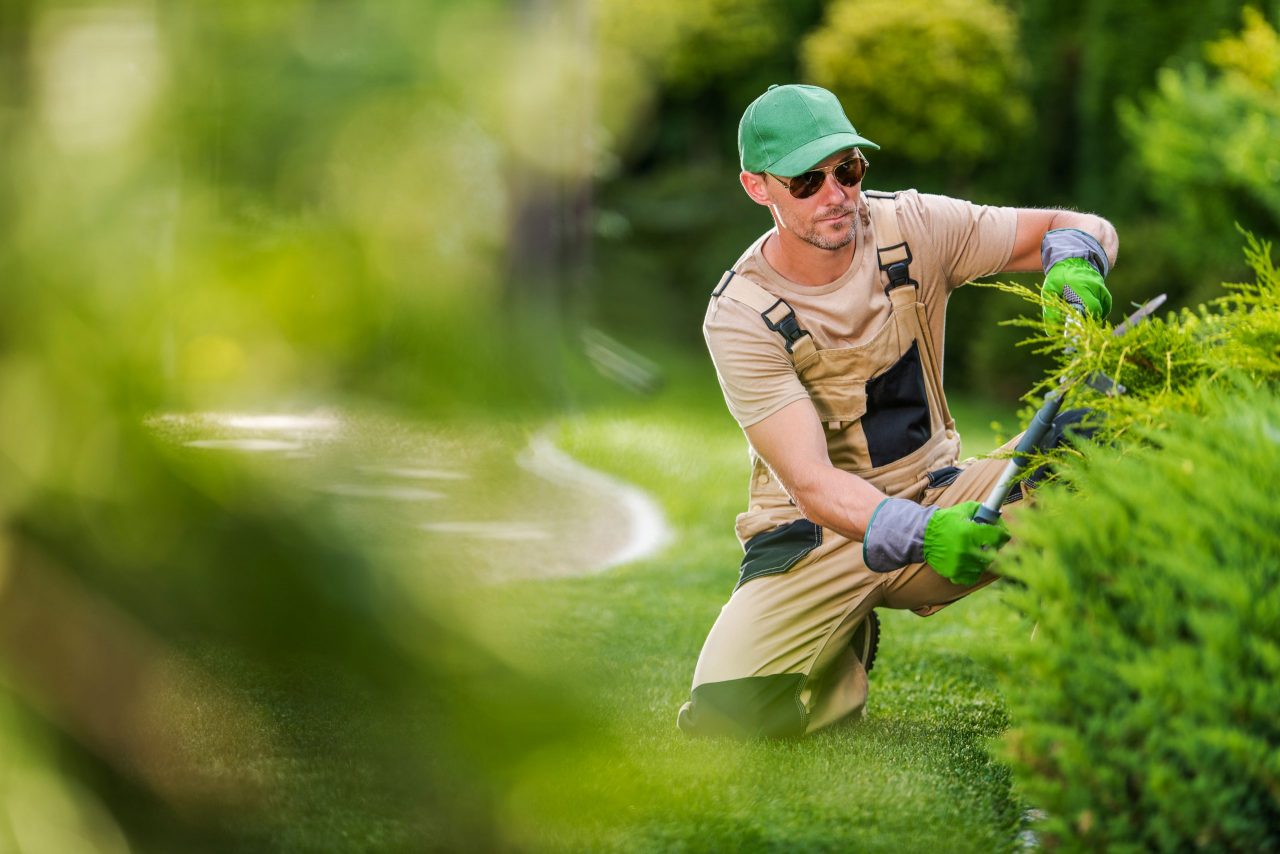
[(812, 236)]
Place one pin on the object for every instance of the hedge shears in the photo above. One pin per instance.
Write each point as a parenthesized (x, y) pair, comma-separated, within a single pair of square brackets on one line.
[(1041, 423)]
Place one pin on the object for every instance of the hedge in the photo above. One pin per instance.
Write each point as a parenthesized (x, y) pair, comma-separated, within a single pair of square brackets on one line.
[(1146, 703)]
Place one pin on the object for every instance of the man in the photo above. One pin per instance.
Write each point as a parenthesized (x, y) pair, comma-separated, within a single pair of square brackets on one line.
[(827, 337)]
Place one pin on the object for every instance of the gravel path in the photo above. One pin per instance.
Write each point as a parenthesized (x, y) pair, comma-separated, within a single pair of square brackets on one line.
[(489, 501)]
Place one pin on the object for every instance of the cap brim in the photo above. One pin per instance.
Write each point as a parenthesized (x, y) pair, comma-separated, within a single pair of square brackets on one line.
[(812, 153)]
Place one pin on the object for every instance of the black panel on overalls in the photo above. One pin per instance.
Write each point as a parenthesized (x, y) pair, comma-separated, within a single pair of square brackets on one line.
[(896, 422)]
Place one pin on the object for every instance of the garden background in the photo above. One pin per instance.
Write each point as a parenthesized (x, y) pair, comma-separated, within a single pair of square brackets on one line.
[(300, 296)]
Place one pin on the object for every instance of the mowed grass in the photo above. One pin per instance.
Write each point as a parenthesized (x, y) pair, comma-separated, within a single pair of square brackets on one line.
[(618, 648), (915, 775)]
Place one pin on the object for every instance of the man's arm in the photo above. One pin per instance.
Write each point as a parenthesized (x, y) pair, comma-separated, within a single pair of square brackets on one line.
[(1033, 224), (791, 441)]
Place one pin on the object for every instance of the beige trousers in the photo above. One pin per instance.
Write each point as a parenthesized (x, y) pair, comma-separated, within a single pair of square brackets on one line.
[(778, 660)]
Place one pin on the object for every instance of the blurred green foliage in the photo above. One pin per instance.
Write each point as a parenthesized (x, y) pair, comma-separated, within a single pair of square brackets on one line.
[(683, 45), (195, 658), (259, 205), (940, 82), (314, 195), (1084, 61), (1205, 138)]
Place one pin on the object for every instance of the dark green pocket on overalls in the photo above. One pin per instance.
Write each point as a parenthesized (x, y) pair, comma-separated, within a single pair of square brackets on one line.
[(776, 551)]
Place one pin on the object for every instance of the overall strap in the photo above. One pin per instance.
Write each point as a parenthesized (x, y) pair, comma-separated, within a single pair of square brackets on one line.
[(894, 257), (893, 254), (775, 311)]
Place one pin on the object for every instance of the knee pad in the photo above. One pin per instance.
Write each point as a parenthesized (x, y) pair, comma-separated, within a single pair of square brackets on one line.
[(754, 707)]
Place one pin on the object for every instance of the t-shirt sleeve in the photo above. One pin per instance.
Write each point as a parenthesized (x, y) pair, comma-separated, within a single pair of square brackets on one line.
[(755, 371), (970, 241)]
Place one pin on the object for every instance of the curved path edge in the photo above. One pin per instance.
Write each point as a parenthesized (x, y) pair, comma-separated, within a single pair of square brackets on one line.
[(649, 531)]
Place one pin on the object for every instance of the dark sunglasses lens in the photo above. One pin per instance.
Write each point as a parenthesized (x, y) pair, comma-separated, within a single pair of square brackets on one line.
[(851, 171), (848, 173), (805, 185)]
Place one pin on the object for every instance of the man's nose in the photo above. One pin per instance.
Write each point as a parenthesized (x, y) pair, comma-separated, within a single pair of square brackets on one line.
[(832, 190)]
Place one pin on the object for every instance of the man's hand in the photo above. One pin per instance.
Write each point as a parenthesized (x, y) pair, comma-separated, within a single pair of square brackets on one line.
[(1074, 259), (902, 532), (957, 547), (1085, 281)]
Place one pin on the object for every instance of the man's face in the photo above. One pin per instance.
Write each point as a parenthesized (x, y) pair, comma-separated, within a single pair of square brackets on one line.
[(827, 219)]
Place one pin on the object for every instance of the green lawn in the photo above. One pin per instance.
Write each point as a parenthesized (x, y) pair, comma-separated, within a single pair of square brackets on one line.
[(542, 713), (914, 775)]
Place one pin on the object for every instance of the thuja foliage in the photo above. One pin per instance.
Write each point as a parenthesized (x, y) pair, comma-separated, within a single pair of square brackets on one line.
[(1145, 701), (1145, 705), (1161, 362)]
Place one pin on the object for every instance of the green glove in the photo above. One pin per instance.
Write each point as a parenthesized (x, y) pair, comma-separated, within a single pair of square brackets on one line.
[(1074, 259), (1079, 275), (957, 547)]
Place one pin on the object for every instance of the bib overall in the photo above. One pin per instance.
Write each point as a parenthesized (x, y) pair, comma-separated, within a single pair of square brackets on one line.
[(779, 659)]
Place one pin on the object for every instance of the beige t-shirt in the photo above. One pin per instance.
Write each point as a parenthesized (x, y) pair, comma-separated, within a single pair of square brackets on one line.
[(952, 242)]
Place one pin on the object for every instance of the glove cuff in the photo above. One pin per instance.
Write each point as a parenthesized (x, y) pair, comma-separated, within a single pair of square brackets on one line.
[(895, 535), (1063, 243)]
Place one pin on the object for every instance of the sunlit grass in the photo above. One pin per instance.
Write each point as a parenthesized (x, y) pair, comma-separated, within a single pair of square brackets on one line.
[(619, 647), (913, 774)]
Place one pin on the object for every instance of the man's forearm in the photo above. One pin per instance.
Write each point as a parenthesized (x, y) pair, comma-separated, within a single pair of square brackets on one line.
[(838, 500)]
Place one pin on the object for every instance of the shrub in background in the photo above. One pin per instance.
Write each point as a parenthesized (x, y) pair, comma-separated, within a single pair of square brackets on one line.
[(688, 44), (1205, 140), (930, 81)]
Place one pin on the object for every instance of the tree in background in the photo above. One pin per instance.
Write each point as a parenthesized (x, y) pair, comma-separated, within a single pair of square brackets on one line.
[(937, 83), (1206, 140), (1083, 60), (675, 78), (677, 73)]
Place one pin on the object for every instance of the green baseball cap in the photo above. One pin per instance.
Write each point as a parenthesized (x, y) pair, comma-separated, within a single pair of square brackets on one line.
[(789, 129)]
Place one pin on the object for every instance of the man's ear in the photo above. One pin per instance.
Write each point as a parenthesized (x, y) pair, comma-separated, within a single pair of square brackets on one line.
[(754, 184)]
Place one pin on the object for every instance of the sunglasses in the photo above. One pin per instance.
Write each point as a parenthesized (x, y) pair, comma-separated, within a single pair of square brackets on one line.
[(847, 172)]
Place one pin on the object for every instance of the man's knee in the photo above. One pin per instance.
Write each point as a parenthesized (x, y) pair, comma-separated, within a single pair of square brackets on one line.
[(754, 707)]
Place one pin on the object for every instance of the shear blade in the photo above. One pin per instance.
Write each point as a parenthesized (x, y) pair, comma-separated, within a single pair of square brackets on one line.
[(1104, 384), (1140, 315)]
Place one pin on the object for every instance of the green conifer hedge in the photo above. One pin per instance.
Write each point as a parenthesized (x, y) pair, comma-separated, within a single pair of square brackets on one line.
[(1146, 704)]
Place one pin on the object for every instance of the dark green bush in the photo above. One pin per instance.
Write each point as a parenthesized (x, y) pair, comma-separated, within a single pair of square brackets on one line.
[(1145, 703)]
